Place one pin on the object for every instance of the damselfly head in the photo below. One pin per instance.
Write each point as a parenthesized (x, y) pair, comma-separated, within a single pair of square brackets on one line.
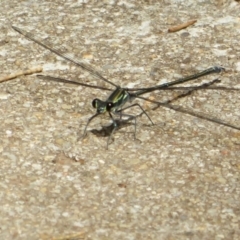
[(99, 105), (95, 102)]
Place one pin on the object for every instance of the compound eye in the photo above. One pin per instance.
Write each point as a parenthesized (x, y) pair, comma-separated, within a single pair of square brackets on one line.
[(109, 106), (95, 103)]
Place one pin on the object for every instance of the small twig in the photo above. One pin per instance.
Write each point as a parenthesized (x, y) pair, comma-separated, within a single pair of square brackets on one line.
[(181, 26), (75, 236), (20, 73)]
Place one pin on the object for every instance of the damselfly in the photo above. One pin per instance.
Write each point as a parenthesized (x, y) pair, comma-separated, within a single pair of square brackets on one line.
[(114, 105)]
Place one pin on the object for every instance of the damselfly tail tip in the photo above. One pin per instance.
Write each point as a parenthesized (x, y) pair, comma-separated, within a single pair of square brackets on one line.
[(218, 69)]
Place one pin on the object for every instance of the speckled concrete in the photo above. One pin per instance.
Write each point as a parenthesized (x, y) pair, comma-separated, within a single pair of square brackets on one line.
[(179, 179)]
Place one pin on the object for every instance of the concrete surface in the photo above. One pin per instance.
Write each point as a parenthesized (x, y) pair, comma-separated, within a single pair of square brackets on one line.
[(179, 179)]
